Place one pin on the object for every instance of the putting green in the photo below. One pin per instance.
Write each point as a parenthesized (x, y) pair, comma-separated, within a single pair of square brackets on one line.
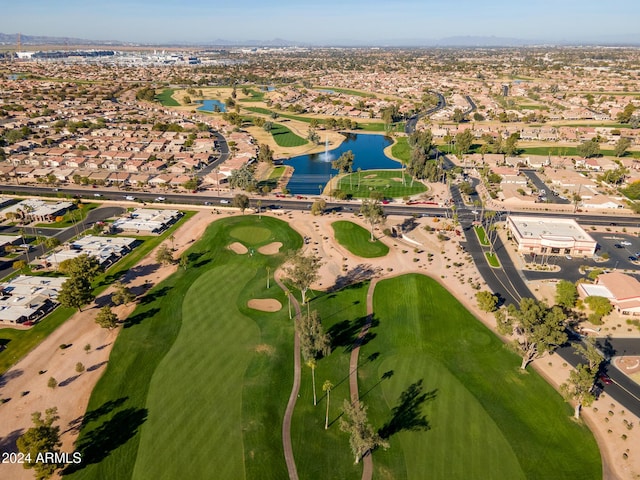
[(251, 235)]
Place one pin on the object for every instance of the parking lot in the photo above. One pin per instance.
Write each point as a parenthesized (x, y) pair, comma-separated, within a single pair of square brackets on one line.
[(628, 246)]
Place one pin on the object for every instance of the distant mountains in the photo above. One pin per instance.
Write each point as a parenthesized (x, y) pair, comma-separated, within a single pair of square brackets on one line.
[(455, 41)]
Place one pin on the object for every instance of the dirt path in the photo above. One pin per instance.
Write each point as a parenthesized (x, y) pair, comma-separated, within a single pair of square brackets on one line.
[(295, 388), (27, 388)]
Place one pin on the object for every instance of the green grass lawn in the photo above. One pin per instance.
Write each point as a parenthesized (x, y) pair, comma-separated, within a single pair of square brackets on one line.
[(482, 236), (277, 172), (388, 182), (487, 420), (165, 98), (21, 342), (358, 240), (492, 258), (254, 96), (320, 453), (285, 137), (400, 149), (197, 371)]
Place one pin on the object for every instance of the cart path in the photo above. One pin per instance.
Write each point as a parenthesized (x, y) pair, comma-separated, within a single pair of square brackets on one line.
[(367, 462), (286, 421)]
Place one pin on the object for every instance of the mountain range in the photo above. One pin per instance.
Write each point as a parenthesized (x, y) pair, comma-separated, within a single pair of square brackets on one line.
[(455, 41)]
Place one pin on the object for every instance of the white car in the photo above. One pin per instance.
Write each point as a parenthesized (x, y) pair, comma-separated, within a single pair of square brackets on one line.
[(160, 199), (224, 201), (130, 198), (625, 243)]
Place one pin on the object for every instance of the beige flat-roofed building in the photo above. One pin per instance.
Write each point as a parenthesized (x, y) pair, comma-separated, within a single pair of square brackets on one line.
[(622, 290), (550, 236)]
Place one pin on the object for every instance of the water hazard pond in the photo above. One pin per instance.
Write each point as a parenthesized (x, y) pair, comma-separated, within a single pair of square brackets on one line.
[(313, 171)]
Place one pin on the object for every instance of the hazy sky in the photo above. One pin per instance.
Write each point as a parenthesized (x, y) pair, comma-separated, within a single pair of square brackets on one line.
[(326, 22)]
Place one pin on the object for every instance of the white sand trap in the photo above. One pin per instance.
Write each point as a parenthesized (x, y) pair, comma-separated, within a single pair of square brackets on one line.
[(372, 175), (238, 248), (271, 249), (264, 304), (396, 179)]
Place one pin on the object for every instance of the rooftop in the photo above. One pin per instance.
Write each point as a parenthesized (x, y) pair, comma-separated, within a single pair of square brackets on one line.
[(543, 227)]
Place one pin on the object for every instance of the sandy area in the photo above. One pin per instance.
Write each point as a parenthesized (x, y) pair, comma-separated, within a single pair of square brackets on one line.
[(264, 304), (270, 249), (607, 419), (71, 396), (237, 247)]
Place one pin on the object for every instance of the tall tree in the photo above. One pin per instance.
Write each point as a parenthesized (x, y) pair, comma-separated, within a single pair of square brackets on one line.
[(240, 201), (106, 318), (164, 255), (464, 140), (75, 292), (362, 436), (622, 145), (326, 387), (84, 266), (588, 149), (122, 294), (318, 206), (303, 271), (344, 163), (487, 302), (243, 178), (511, 145), (44, 436), (536, 327), (314, 342), (265, 154), (373, 213), (579, 388), (566, 294)]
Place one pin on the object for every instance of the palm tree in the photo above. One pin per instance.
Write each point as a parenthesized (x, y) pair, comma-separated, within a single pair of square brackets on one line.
[(326, 387), (311, 363)]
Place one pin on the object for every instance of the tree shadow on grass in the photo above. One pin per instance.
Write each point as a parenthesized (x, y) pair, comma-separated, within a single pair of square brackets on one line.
[(92, 415), (139, 317), (345, 334), (97, 444), (407, 415), (154, 295)]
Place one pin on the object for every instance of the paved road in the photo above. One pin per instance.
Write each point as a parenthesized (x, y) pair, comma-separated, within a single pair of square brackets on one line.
[(508, 282), (410, 125), (540, 185), (64, 235)]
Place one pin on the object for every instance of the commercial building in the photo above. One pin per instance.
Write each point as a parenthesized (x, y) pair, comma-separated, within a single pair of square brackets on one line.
[(550, 236), (623, 291)]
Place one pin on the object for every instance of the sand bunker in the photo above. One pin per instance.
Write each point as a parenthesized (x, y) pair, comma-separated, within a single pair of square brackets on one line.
[(270, 249), (238, 248), (372, 175), (264, 304), (396, 179)]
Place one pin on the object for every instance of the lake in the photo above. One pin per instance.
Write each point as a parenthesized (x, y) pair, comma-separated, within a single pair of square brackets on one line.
[(210, 106), (315, 169)]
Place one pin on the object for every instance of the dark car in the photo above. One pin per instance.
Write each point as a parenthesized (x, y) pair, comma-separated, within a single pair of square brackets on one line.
[(617, 245), (604, 378), (632, 258)]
